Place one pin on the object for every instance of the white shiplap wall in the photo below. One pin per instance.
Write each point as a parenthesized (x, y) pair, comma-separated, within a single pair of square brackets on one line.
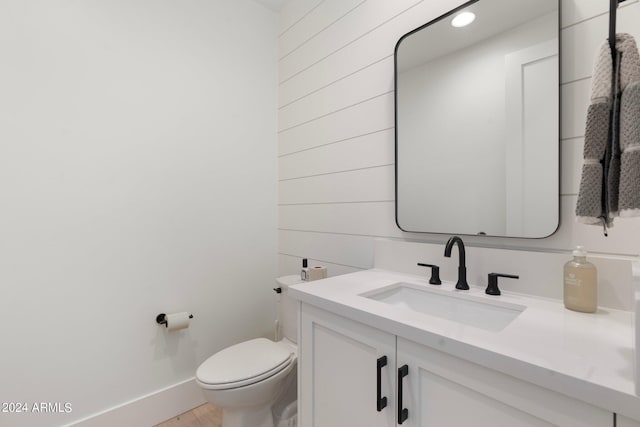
[(336, 139)]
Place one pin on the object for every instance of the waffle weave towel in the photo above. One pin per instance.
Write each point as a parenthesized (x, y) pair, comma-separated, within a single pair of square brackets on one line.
[(613, 126)]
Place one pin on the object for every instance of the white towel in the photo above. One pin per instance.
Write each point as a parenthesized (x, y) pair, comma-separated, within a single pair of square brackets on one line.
[(629, 188), (590, 208), (613, 119)]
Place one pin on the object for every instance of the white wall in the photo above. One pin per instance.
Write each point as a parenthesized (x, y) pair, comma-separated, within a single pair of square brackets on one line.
[(137, 176), (336, 182)]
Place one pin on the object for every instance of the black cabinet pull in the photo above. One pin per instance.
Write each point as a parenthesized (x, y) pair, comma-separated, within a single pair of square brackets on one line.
[(403, 413), (381, 401)]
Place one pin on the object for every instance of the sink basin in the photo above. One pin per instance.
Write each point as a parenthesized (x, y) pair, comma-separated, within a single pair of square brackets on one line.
[(465, 309)]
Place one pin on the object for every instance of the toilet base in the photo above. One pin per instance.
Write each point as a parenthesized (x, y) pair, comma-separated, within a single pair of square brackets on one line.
[(260, 416), (254, 405)]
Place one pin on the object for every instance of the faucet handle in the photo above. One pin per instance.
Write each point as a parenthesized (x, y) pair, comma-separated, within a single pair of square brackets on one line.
[(492, 286), (435, 273)]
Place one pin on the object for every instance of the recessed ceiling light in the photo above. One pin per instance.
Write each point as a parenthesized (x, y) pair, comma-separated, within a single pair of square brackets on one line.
[(463, 19)]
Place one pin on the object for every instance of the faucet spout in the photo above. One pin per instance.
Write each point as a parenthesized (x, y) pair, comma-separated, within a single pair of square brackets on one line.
[(462, 267)]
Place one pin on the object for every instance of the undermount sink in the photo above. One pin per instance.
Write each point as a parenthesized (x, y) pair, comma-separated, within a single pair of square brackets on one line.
[(472, 311)]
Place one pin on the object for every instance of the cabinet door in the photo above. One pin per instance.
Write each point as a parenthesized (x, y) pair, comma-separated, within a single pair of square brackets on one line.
[(338, 372), (442, 390)]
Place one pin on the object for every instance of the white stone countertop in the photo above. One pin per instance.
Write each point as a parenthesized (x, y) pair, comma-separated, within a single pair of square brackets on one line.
[(589, 357)]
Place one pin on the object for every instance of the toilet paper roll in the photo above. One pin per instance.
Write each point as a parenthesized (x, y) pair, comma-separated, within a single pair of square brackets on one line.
[(317, 273), (177, 321)]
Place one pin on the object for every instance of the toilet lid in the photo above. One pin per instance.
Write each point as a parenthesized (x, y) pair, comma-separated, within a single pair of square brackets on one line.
[(244, 363)]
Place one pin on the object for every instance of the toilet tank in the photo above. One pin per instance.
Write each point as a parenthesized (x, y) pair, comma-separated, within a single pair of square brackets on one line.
[(287, 310)]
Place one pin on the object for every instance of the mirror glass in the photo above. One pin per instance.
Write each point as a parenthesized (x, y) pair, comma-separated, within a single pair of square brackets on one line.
[(477, 122)]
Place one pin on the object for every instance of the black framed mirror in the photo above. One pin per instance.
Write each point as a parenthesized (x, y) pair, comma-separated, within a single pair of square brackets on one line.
[(477, 122)]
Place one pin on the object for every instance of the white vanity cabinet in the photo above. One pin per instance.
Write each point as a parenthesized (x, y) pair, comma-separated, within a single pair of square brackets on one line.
[(338, 370), (338, 376), (442, 390)]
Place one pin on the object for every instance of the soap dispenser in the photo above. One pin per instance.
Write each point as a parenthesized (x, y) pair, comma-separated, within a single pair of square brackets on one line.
[(580, 283)]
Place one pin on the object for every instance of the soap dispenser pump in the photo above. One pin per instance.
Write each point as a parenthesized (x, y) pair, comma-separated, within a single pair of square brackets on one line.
[(580, 283)]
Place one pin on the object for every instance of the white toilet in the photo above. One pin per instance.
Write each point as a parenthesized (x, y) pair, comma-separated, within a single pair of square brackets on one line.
[(248, 379)]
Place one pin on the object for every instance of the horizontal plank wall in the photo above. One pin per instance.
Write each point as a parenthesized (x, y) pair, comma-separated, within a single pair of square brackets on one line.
[(336, 128)]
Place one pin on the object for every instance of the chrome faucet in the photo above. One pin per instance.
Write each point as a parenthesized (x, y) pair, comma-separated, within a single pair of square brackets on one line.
[(462, 268)]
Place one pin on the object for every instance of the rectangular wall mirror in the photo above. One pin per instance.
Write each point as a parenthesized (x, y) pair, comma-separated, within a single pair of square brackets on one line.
[(477, 122)]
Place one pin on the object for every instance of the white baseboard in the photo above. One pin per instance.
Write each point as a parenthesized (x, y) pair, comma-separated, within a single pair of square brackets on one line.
[(149, 410)]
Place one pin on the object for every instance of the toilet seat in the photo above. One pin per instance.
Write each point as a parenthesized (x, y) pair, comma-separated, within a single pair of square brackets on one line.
[(243, 364)]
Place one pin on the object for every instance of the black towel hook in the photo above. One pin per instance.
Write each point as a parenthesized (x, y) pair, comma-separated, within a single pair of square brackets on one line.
[(613, 9)]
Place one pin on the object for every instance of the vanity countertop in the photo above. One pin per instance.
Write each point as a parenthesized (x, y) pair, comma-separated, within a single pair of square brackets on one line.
[(586, 356)]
